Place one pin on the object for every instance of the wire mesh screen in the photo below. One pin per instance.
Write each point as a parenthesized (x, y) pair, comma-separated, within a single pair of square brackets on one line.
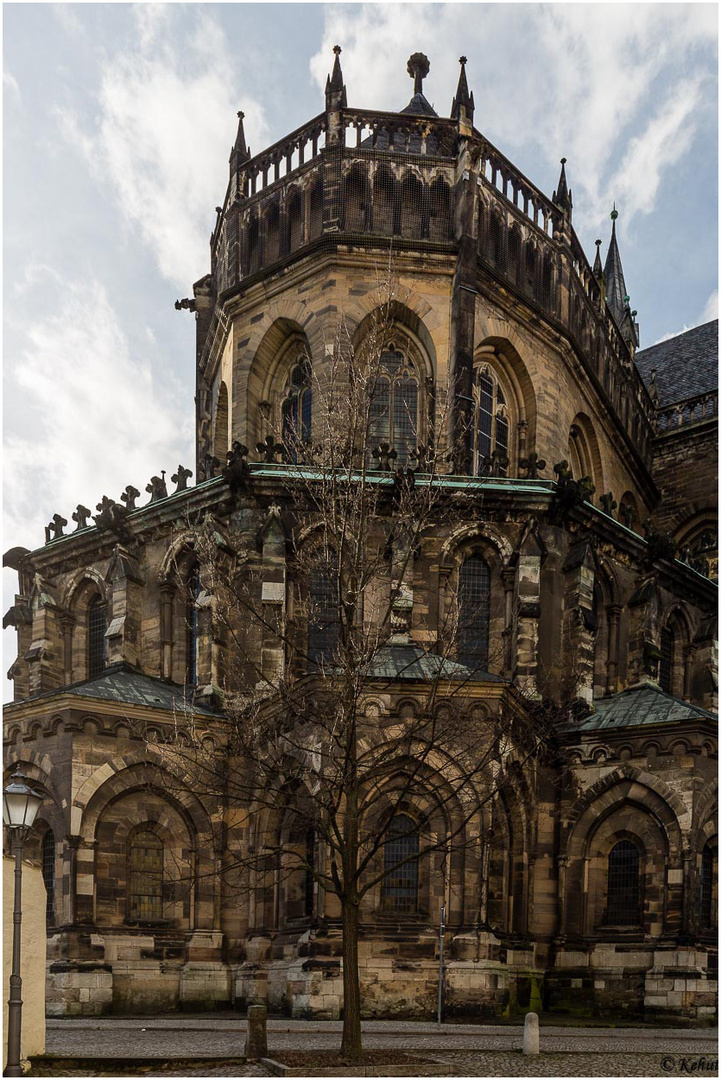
[(400, 857), (623, 885), (97, 625), (146, 877)]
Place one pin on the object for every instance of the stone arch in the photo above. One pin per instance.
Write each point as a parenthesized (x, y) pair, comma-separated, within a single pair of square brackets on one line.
[(403, 315), (624, 783), (81, 585), (384, 201), (584, 451), (503, 356), (468, 534), (356, 198), (440, 222)]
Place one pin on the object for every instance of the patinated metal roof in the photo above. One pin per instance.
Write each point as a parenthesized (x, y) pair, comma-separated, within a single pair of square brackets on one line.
[(685, 365), (122, 684), (411, 661), (638, 706)]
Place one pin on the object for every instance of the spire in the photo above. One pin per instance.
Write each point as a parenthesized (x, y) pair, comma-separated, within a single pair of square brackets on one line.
[(462, 98), (563, 198), (598, 271), (597, 264), (616, 295), (240, 151), (335, 95)]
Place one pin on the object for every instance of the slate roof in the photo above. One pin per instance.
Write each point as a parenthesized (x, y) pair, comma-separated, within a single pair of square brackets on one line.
[(638, 706), (686, 365), (123, 684), (420, 105), (411, 661)]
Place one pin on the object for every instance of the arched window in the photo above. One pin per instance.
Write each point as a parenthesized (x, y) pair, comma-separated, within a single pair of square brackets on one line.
[(323, 617), (316, 209), (295, 220), (191, 627), (707, 891), (145, 895), (97, 625), (272, 234), (622, 906), (474, 602), (439, 226), (297, 407), (400, 863), (491, 428), (411, 206), (48, 857), (384, 202), (356, 200), (666, 663), (253, 246), (393, 411)]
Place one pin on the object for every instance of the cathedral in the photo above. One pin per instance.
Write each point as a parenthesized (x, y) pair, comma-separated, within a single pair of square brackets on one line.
[(576, 538)]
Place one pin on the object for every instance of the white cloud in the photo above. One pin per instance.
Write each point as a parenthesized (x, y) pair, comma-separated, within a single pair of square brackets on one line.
[(94, 419), (166, 119), (710, 311), (582, 78), (11, 84)]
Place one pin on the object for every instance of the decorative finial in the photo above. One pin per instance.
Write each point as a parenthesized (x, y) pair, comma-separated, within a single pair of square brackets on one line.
[(598, 243), (418, 67), (614, 213), (337, 50), (462, 59), (564, 160), (241, 115)]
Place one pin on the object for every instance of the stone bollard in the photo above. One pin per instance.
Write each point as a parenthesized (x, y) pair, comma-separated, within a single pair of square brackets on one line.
[(256, 1042), (530, 1034)]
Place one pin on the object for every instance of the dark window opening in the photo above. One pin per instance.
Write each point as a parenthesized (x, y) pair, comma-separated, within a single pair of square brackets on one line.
[(665, 672), (400, 863), (393, 408), (97, 625), (146, 877), (191, 628), (623, 885), (474, 598), (323, 617), (309, 878), (49, 875), (297, 409)]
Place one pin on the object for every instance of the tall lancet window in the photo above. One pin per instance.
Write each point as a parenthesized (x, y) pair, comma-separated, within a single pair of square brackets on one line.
[(191, 627), (297, 408), (393, 412), (474, 600), (491, 429), (97, 625)]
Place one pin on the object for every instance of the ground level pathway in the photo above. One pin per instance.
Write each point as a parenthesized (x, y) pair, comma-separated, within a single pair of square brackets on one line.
[(452, 1049)]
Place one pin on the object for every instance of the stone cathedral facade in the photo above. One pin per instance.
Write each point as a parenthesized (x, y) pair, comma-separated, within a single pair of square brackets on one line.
[(589, 535)]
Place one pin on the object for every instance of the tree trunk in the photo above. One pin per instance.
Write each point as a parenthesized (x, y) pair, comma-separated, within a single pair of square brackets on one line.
[(351, 1046)]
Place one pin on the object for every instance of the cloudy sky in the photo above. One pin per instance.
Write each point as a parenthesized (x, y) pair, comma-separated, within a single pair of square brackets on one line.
[(118, 123)]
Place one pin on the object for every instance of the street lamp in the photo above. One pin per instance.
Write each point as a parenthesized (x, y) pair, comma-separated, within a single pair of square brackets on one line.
[(20, 805)]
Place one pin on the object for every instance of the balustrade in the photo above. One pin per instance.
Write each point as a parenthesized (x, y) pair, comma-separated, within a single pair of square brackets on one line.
[(691, 410)]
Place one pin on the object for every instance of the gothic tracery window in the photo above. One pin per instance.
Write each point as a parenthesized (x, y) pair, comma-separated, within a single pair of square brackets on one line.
[(297, 408), (400, 863), (666, 663), (491, 425), (394, 405), (623, 908), (707, 890)]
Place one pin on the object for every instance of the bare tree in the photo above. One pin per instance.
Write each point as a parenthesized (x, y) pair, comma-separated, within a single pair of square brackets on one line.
[(312, 733)]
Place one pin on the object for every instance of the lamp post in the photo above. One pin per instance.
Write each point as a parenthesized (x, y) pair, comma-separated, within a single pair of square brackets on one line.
[(20, 805)]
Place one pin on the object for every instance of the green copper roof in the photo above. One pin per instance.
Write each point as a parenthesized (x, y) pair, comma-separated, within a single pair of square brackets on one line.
[(122, 684), (411, 661), (638, 706)]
